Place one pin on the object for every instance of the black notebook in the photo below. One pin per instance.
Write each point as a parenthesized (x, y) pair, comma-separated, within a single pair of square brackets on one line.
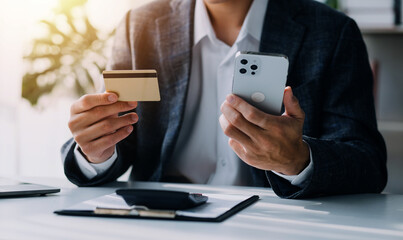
[(217, 208)]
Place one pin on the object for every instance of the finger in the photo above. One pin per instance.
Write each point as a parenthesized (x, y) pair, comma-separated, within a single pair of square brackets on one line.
[(107, 141), (117, 94), (88, 118), (238, 148), (291, 105), (250, 113), (239, 121), (90, 101), (233, 132), (105, 127), (98, 113)]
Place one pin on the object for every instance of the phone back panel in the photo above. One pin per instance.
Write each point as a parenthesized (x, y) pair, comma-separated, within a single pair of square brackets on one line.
[(260, 80)]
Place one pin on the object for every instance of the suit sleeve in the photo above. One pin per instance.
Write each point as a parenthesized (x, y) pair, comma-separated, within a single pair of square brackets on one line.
[(121, 59), (349, 156)]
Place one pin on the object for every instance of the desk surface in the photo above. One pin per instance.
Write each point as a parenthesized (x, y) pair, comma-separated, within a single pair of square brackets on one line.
[(368, 216)]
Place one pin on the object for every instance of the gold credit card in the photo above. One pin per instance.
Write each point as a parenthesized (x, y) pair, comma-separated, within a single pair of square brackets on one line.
[(133, 85)]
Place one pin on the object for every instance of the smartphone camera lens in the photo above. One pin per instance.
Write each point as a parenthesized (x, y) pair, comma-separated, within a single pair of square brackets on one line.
[(242, 70), (253, 73), (253, 67), (244, 61)]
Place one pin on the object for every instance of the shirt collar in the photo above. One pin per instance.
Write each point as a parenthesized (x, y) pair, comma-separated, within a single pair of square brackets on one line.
[(252, 25), (202, 23)]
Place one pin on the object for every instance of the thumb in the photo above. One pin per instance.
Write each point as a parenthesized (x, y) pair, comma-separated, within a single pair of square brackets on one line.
[(291, 105)]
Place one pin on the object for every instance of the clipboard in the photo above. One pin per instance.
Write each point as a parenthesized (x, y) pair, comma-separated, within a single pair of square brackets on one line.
[(218, 208)]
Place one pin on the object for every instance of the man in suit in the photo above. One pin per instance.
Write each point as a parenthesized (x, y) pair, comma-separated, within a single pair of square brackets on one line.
[(326, 141)]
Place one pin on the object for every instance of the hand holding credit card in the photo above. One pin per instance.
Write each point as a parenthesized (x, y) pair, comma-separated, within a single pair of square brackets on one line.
[(133, 85)]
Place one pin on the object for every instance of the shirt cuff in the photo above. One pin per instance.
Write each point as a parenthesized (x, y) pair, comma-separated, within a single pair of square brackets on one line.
[(91, 170), (300, 179)]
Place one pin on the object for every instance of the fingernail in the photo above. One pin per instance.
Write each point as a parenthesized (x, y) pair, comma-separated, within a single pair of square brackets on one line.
[(231, 99), (132, 104), (129, 129), (112, 98), (134, 118)]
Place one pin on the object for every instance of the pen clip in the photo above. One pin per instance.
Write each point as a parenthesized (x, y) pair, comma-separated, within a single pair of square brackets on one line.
[(141, 211)]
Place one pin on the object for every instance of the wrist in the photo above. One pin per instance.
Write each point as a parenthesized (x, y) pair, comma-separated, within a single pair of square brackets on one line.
[(84, 155), (95, 160), (302, 159)]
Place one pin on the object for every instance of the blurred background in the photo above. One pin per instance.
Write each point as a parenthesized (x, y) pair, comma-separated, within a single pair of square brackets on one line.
[(52, 52)]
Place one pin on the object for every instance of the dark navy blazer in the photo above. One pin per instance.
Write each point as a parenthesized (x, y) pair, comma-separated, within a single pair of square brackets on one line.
[(329, 73)]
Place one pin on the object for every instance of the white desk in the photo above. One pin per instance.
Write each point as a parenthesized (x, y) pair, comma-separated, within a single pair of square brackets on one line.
[(369, 216)]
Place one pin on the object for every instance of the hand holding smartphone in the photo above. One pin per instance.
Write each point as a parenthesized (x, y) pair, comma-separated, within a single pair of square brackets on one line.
[(260, 80)]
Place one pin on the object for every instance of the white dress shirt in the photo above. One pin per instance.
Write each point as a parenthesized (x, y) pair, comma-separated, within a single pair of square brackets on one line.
[(202, 153)]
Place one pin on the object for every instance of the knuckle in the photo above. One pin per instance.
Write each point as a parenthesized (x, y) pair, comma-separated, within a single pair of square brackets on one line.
[(123, 106), (85, 101), (229, 130), (236, 118), (71, 123), (264, 122), (78, 139), (250, 115), (107, 126)]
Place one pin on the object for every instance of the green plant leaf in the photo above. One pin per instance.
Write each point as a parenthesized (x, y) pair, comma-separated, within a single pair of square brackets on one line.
[(63, 53)]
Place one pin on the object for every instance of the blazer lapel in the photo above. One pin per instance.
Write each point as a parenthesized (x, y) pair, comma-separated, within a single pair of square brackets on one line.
[(175, 38), (281, 34)]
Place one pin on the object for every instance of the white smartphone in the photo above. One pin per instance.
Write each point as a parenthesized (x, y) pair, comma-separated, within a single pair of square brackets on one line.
[(260, 79)]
